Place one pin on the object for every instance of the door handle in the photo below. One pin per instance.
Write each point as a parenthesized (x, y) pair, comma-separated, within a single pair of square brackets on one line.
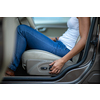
[(42, 29)]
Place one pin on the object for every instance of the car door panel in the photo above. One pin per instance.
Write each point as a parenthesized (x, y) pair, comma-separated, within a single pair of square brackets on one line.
[(52, 28)]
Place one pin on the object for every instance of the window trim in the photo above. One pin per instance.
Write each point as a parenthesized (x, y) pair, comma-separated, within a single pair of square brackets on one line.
[(50, 21)]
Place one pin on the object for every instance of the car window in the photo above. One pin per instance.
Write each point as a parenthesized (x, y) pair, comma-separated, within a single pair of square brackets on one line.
[(48, 20)]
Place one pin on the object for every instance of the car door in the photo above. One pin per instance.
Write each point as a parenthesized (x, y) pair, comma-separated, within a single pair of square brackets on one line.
[(51, 26)]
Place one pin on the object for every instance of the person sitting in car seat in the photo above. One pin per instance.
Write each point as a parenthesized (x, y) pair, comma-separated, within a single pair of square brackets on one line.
[(63, 46)]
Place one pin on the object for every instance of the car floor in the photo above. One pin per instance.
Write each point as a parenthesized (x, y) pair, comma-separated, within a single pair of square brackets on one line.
[(20, 71)]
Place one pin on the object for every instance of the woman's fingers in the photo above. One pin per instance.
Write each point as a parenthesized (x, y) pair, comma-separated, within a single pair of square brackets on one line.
[(56, 66), (52, 63), (58, 72), (52, 68), (53, 71)]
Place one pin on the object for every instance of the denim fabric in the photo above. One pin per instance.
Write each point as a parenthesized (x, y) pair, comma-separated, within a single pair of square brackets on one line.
[(26, 36)]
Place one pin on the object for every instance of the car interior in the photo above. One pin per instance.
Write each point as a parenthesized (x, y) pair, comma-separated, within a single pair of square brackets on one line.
[(34, 65)]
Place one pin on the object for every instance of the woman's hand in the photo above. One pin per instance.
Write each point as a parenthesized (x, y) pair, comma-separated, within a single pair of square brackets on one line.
[(54, 38), (56, 66)]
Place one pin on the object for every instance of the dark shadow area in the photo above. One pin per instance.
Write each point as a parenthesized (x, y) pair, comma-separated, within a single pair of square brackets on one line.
[(20, 71)]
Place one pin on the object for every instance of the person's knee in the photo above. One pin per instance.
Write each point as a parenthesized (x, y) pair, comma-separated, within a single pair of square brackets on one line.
[(22, 27)]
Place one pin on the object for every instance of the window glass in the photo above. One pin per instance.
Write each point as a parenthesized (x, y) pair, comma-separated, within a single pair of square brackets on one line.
[(45, 20)]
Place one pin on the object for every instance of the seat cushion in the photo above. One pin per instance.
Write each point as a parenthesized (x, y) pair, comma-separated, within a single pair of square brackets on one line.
[(38, 54)]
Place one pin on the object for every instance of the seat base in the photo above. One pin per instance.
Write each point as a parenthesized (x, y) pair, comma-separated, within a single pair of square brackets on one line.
[(37, 62)]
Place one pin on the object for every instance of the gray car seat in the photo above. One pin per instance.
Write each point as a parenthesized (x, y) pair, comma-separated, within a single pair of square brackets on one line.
[(37, 62)]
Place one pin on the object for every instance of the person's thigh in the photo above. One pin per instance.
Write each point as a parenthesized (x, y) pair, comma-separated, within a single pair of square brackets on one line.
[(61, 50), (36, 40)]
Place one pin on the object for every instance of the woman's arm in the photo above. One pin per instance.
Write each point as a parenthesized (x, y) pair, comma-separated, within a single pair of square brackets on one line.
[(84, 25)]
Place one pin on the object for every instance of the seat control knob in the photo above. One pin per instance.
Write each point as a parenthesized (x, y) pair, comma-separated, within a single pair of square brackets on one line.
[(50, 67)]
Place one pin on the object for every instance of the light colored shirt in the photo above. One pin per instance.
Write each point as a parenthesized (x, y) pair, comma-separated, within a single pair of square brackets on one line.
[(70, 36)]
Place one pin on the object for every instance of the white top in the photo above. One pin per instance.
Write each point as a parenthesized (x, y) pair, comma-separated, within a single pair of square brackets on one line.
[(70, 36)]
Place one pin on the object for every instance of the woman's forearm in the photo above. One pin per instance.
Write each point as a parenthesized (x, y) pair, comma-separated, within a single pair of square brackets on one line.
[(58, 64), (78, 47)]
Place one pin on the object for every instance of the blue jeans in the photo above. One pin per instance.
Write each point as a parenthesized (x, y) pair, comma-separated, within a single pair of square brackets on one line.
[(26, 36)]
